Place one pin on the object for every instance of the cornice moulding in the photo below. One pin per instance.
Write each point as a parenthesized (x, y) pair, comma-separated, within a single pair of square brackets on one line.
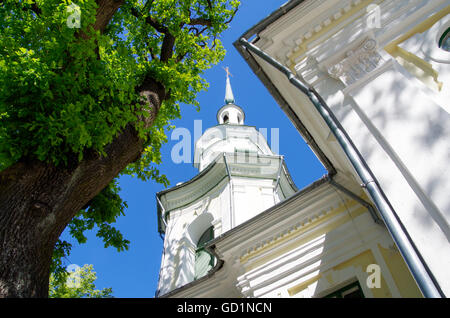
[(290, 45), (278, 219)]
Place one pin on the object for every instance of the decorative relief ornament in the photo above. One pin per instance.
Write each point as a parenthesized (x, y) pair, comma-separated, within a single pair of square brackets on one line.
[(357, 63)]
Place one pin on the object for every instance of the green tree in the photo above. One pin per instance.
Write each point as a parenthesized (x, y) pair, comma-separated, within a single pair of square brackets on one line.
[(79, 284), (88, 90)]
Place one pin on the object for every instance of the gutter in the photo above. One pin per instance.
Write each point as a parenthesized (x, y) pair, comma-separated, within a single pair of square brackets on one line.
[(357, 198), (420, 271)]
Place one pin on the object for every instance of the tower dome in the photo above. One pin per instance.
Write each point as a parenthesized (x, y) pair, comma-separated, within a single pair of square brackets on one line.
[(231, 135)]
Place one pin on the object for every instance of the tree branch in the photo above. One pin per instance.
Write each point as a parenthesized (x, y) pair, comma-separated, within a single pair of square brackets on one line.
[(232, 16), (168, 40), (105, 11), (167, 47), (150, 21), (200, 21)]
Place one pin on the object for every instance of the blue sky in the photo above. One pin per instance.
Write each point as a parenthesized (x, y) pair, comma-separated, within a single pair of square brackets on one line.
[(134, 273)]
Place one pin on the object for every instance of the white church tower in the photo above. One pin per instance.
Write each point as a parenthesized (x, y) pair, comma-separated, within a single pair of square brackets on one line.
[(239, 177)]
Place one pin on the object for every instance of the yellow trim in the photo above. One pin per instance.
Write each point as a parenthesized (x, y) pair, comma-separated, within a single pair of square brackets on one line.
[(298, 288), (342, 208), (420, 28), (362, 261), (400, 273), (419, 68), (416, 66), (395, 265)]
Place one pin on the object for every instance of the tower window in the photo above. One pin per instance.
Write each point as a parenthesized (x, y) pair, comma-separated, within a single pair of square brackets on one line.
[(204, 261), (225, 119), (444, 40)]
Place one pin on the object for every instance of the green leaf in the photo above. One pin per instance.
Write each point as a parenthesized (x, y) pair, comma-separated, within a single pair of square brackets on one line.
[(63, 95), (78, 284)]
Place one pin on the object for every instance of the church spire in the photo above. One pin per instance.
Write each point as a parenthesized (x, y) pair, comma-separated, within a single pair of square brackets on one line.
[(229, 98), (230, 113)]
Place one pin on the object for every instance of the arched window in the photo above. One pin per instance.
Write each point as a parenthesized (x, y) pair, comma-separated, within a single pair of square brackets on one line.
[(225, 119), (444, 40), (204, 261)]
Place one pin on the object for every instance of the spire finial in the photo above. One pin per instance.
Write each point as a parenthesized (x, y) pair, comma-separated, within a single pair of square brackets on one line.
[(227, 70), (229, 98)]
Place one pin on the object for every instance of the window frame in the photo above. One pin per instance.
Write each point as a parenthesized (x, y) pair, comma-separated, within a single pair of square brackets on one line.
[(207, 236), (445, 36), (346, 290)]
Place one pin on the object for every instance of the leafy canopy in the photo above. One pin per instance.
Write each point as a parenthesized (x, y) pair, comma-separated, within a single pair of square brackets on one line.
[(80, 284), (66, 90), (62, 93)]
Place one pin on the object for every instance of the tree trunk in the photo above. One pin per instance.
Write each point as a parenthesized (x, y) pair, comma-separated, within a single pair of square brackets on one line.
[(38, 200)]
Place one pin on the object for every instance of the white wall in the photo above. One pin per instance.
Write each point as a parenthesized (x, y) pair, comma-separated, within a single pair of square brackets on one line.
[(399, 124)]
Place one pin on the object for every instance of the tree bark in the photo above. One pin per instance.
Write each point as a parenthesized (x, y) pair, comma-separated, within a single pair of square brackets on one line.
[(38, 200)]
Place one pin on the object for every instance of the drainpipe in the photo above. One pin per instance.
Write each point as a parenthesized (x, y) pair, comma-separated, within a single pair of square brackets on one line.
[(230, 186), (357, 198), (278, 175), (424, 278)]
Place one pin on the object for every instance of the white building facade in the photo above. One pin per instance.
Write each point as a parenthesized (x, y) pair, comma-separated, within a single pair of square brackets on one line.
[(383, 68), (241, 228)]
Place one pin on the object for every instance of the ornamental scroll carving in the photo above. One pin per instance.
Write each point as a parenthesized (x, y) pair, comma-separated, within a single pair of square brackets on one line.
[(357, 63)]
